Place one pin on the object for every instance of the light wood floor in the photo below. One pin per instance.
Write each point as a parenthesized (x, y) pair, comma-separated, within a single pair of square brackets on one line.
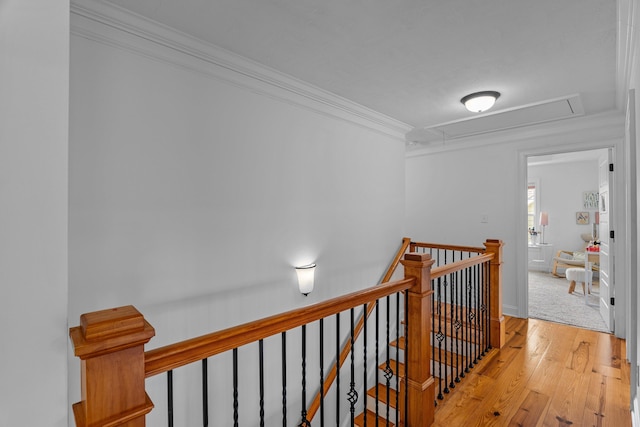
[(547, 374)]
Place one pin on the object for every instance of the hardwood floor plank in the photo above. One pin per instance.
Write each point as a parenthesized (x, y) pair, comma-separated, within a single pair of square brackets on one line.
[(547, 374), (530, 411)]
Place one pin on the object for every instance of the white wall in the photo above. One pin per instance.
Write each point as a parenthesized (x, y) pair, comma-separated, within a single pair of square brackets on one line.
[(450, 187), (561, 186), (192, 197), (34, 47)]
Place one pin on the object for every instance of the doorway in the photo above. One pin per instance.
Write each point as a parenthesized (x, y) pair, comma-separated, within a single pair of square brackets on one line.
[(563, 220)]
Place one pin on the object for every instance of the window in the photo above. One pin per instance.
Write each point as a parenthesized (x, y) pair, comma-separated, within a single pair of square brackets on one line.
[(532, 211)]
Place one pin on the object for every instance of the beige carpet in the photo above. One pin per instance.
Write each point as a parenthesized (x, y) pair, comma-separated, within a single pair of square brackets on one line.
[(549, 300)]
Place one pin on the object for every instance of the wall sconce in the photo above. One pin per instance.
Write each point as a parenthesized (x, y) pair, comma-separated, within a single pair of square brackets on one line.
[(306, 275)]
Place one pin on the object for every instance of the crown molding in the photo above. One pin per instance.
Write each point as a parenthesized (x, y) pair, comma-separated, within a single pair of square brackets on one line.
[(580, 130), (626, 47), (109, 24)]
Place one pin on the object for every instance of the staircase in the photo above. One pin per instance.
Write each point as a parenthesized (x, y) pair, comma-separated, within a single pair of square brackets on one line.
[(451, 359)]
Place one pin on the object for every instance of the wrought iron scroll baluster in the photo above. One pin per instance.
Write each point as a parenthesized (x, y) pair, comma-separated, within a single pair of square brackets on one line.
[(468, 319), (304, 422), (439, 335), (353, 394), (475, 317), (388, 372), (445, 317)]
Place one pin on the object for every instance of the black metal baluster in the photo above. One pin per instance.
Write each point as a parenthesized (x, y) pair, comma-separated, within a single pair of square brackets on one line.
[(487, 285), (433, 334), (489, 304), (235, 387), (338, 369), (388, 372), (469, 319), (284, 379), (364, 351), (461, 286), (398, 326), (304, 422), (170, 397), (322, 372), (445, 322), (377, 379), (475, 319), (353, 394), (261, 362), (205, 394), (455, 339), (406, 352), (439, 336), (483, 311)]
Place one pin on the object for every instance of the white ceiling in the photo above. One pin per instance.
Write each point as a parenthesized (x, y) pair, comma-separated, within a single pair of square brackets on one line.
[(414, 59)]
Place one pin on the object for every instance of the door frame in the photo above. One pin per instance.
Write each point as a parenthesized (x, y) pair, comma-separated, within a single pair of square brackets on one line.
[(619, 219)]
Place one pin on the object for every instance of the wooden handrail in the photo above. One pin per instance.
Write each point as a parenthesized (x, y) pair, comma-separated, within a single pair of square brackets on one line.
[(459, 265), (476, 249), (173, 356), (346, 349)]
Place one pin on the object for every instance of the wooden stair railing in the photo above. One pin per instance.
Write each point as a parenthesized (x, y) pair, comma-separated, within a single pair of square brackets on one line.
[(346, 349), (110, 344)]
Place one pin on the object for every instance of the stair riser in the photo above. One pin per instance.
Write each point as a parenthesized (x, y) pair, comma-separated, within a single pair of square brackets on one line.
[(382, 408)]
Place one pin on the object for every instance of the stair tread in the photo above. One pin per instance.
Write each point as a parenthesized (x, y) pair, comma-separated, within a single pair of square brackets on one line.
[(371, 419), (382, 394), (392, 365)]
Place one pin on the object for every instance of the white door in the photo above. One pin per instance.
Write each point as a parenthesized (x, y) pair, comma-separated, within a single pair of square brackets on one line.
[(606, 244)]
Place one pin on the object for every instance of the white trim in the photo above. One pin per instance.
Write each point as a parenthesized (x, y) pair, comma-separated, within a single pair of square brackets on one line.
[(597, 126), (625, 46), (635, 420), (106, 23), (510, 310), (621, 287)]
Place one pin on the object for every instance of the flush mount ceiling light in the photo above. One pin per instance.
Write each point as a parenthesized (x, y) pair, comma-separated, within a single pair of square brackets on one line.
[(480, 101)]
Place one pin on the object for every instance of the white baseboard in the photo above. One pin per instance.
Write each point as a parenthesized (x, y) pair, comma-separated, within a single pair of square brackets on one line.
[(510, 310)]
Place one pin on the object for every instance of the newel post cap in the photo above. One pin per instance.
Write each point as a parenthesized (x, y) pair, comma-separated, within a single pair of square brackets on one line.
[(106, 331)]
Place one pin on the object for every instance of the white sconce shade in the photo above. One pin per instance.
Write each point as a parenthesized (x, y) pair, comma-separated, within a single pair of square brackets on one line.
[(480, 101), (306, 275)]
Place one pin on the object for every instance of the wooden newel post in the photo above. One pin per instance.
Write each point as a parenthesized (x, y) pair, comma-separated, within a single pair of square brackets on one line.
[(421, 387), (495, 304), (110, 344)]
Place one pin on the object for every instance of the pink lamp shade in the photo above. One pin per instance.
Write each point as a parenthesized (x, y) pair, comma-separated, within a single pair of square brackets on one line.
[(544, 218)]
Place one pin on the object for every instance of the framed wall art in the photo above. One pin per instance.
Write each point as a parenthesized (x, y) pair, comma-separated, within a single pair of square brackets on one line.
[(582, 218), (590, 200)]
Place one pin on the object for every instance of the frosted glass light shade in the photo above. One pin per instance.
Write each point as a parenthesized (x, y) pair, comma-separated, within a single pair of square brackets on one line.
[(306, 274), (480, 101)]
